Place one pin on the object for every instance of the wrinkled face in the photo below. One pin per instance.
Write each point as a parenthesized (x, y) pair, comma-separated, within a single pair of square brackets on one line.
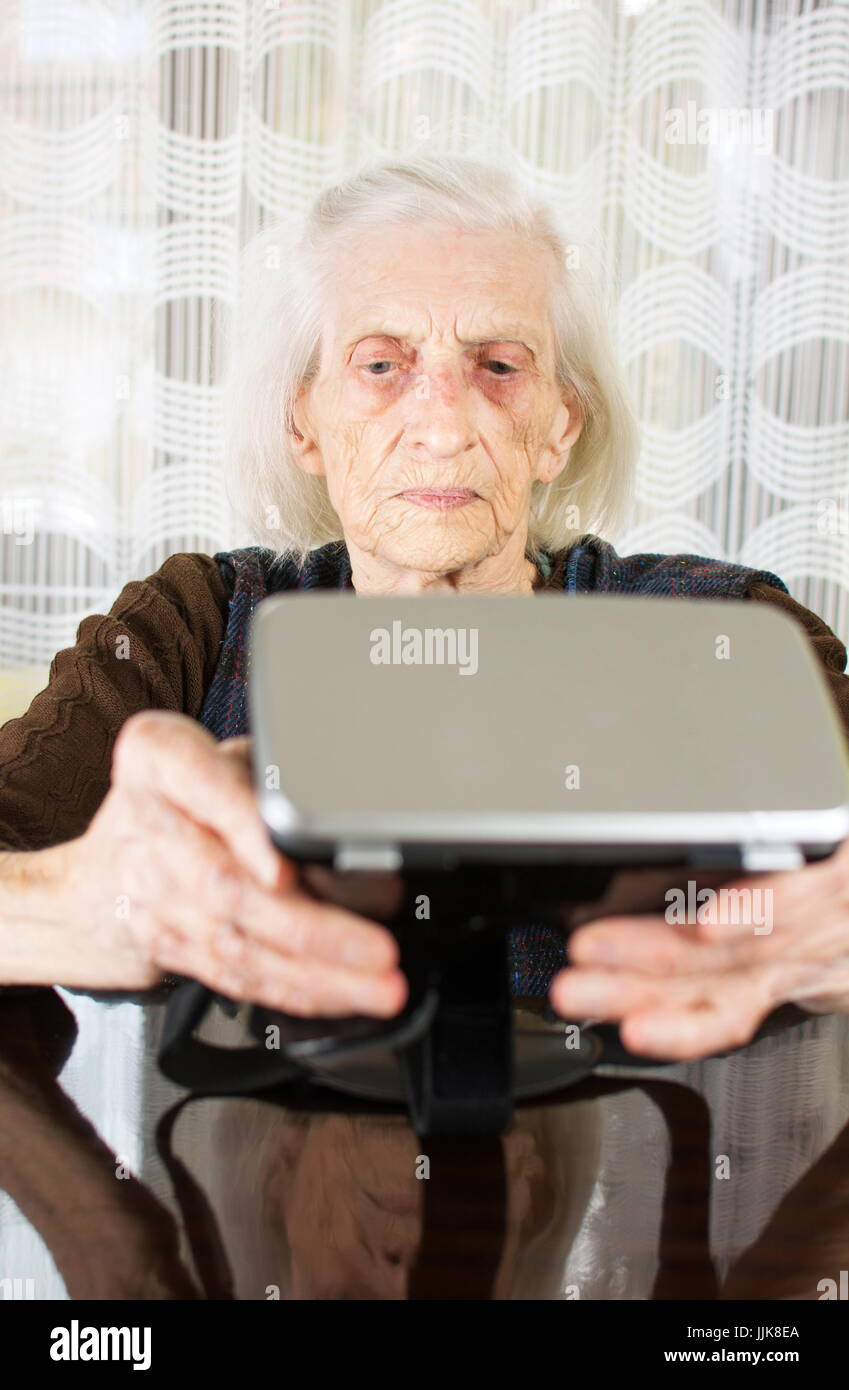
[(435, 407)]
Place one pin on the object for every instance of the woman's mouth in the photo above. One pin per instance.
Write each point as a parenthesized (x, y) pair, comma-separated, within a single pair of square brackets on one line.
[(440, 499)]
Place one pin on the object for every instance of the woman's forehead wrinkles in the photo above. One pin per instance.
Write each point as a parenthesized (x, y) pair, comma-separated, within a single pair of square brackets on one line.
[(412, 303), (487, 331)]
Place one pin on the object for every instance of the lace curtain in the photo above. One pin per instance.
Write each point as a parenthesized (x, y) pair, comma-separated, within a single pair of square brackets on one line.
[(142, 141), (704, 142)]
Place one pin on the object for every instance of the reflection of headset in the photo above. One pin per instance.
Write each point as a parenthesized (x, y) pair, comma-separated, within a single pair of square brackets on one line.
[(274, 1078)]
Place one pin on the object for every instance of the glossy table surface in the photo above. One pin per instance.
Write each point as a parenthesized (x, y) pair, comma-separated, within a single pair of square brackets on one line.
[(727, 1178)]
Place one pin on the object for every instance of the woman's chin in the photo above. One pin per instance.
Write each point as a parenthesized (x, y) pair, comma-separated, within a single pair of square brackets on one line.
[(438, 543), (434, 560)]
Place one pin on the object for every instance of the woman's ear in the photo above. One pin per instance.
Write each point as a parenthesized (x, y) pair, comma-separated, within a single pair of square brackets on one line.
[(302, 442), (566, 426)]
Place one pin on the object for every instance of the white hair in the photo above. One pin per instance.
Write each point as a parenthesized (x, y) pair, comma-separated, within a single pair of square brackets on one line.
[(275, 341)]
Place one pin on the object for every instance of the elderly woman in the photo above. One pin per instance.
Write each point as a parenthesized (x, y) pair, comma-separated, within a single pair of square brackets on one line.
[(423, 399)]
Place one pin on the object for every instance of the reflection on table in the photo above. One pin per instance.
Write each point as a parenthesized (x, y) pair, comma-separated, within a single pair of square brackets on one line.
[(723, 1178)]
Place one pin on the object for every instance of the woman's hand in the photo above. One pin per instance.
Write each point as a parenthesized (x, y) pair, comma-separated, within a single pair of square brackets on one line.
[(687, 991), (176, 873)]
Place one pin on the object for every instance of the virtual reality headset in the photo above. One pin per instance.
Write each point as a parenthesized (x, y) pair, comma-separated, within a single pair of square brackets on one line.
[(597, 729)]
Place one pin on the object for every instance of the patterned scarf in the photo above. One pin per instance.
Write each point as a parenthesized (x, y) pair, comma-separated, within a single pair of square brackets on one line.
[(592, 566)]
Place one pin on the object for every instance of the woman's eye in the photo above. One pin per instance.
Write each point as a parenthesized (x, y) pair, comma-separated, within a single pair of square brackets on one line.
[(500, 368), (376, 368)]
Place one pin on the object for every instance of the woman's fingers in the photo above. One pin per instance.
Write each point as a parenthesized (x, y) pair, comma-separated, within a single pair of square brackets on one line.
[(777, 901), (196, 912), (651, 946), (685, 991), (684, 1035), (169, 754), (679, 1018), (303, 986), (291, 926), (614, 994), (195, 884), (301, 925), (188, 838)]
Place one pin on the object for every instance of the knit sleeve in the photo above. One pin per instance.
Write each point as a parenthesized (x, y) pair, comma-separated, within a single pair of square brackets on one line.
[(156, 649), (827, 645)]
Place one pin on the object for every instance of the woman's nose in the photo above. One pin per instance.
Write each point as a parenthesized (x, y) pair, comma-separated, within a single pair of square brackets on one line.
[(439, 418)]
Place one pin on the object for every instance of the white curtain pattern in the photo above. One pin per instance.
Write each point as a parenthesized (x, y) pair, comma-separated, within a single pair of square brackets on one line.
[(142, 143)]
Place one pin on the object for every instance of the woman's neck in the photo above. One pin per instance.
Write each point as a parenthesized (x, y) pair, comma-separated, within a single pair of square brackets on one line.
[(496, 574)]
